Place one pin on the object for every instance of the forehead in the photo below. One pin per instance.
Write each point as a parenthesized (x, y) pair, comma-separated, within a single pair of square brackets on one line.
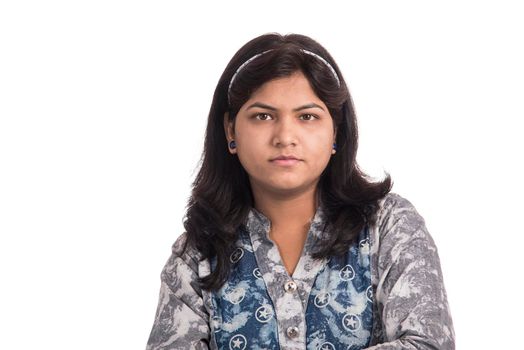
[(287, 90)]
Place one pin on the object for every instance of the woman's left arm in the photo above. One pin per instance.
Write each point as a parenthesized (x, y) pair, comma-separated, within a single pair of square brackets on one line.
[(412, 306)]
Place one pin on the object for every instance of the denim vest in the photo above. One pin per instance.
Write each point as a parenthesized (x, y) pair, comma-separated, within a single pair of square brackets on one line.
[(339, 306)]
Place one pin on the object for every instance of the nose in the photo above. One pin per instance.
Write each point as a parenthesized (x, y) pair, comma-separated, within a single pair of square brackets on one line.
[(284, 132)]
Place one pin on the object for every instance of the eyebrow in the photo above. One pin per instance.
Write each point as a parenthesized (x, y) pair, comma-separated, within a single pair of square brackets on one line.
[(271, 108)]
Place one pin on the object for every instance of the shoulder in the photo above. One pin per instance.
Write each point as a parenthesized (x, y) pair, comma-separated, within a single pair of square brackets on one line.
[(393, 204), (184, 251), (183, 263), (396, 212), (399, 226)]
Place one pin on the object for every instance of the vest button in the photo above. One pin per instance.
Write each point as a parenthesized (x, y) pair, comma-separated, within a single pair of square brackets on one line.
[(292, 332), (290, 287)]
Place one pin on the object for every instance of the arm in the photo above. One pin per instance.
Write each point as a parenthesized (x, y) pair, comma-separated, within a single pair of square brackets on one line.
[(411, 298), (181, 320)]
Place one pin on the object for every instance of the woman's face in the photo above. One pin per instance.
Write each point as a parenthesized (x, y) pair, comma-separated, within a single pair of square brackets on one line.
[(283, 118)]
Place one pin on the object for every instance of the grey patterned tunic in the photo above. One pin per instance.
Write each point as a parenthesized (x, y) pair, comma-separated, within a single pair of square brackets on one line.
[(386, 293)]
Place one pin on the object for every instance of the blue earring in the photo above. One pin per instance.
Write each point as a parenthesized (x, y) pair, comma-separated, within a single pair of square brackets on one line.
[(232, 144), (335, 146)]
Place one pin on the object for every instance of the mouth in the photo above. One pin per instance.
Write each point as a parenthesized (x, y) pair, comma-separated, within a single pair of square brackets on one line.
[(285, 161)]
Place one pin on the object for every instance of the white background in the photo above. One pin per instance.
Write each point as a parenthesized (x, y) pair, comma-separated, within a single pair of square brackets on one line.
[(103, 106)]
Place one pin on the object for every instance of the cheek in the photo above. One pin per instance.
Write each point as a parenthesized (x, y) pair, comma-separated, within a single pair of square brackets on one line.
[(250, 144), (250, 150), (319, 150), (244, 132), (320, 143)]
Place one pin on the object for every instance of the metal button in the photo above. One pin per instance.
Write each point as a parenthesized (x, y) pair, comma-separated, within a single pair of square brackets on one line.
[(290, 286), (292, 332)]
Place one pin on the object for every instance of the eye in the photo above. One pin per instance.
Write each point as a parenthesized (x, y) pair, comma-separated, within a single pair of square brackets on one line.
[(308, 116), (262, 116)]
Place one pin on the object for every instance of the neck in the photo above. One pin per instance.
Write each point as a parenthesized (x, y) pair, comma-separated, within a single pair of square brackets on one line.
[(294, 211)]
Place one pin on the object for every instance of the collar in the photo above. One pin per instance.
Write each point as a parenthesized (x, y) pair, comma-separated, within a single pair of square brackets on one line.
[(258, 226)]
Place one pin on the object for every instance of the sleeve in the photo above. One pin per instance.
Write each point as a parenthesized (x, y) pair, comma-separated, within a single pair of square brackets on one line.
[(181, 320), (411, 299)]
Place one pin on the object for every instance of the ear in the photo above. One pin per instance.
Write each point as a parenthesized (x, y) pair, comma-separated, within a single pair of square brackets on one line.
[(334, 139), (229, 129)]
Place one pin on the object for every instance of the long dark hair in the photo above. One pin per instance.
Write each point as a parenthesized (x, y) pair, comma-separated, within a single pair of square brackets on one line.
[(221, 194)]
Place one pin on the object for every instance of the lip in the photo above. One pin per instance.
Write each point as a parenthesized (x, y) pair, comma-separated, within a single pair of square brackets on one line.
[(285, 161), (285, 158)]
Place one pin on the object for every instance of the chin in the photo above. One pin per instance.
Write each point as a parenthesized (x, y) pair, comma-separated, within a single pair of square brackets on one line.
[(284, 184), (288, 187)]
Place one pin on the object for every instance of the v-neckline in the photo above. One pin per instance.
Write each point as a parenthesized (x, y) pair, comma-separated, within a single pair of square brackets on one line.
[(301, 258), (269, 259)]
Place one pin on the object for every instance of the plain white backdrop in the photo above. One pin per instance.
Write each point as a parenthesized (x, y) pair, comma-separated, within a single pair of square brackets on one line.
[(103, 106)]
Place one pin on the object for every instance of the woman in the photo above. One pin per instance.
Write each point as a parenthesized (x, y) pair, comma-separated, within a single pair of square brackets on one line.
[(288, 245)]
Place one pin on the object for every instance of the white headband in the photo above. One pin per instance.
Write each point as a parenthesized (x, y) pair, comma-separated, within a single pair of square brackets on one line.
[(260, 54)]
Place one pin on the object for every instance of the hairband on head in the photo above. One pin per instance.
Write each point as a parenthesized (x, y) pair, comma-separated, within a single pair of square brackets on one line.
[(260, 54)]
